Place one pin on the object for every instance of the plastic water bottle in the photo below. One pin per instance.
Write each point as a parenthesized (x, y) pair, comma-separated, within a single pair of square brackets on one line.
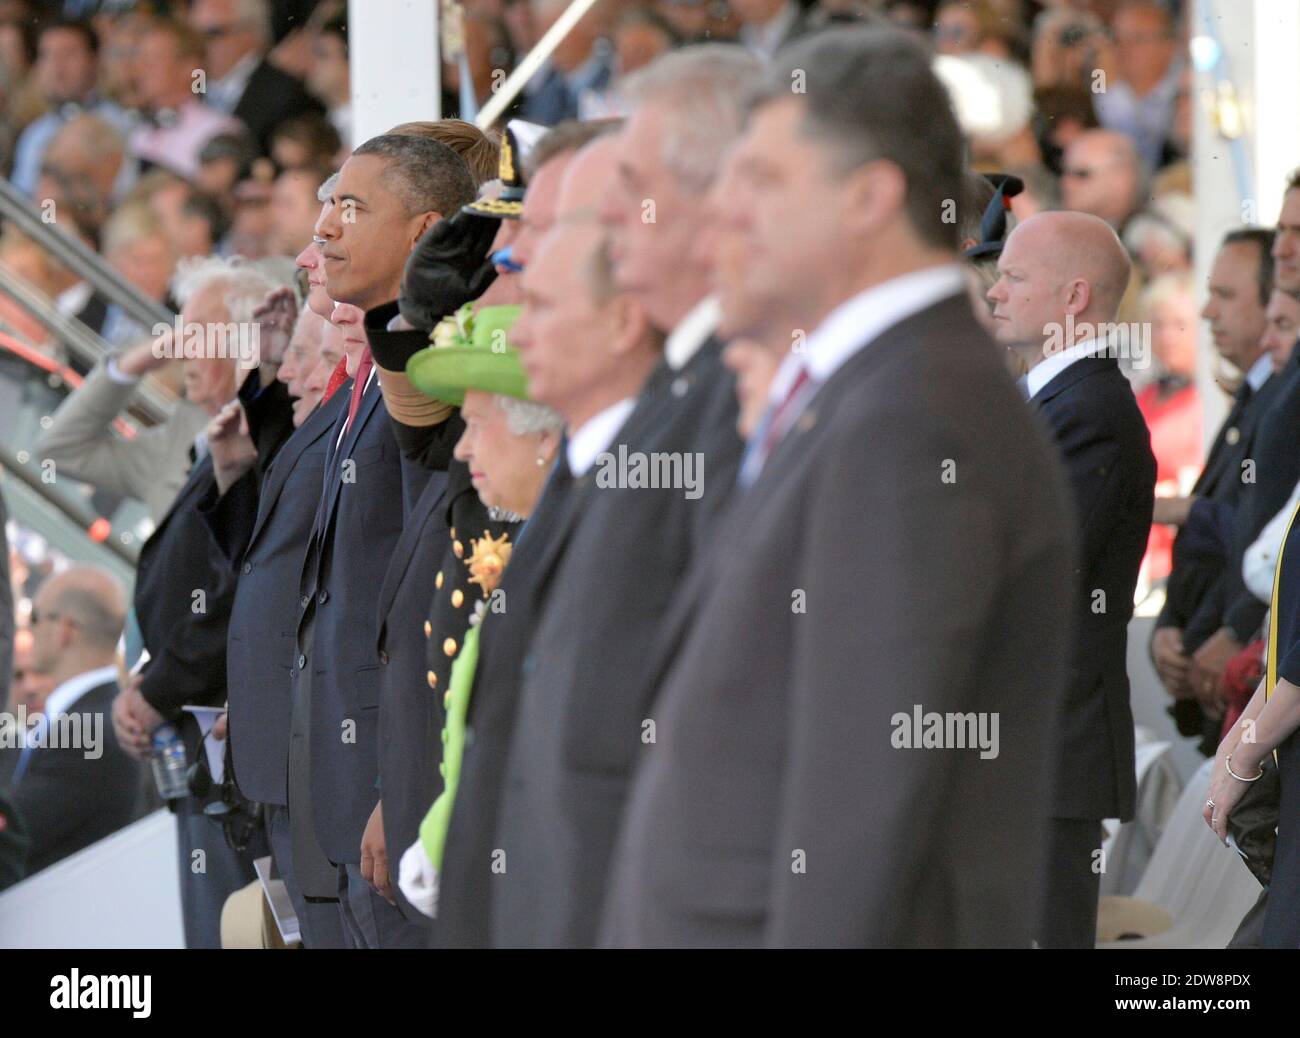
[(169, 764)]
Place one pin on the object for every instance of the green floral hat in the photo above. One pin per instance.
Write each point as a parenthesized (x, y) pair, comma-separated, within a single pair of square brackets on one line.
[(470, 351)]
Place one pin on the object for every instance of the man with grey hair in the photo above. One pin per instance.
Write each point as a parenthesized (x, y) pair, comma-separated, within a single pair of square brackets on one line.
[(591, 673), (241, 80), (184, 588), (73, 784), (877, 565)]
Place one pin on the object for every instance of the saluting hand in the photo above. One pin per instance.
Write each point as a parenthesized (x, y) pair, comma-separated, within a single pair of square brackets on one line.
[(233, 450)]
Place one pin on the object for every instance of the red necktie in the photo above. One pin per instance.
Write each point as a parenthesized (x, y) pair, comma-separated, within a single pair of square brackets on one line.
[(776, 428), (359, 387), (337, 377)]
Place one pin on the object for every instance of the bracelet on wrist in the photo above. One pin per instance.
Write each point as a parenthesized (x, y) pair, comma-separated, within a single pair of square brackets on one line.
[(1242, 778)]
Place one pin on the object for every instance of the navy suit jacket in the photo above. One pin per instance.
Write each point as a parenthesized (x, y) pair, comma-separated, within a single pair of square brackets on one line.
[(68, 800), (1104, 442), (263, 527), (356, 529)]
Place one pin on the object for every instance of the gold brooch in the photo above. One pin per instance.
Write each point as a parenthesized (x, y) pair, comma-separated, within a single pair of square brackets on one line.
[(487, 559)]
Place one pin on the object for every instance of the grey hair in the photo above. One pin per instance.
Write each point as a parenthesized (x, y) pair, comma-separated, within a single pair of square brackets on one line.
[(705, 90), (524, 417), (327, 188), (246, 286)]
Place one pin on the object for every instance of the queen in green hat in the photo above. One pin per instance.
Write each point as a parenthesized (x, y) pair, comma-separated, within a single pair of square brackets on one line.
[(508, 446)]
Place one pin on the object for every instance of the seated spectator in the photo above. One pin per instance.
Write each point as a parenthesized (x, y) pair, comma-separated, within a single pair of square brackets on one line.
[(66, 66), (29, 688), (1160, 237), (176, 123), (294, 209), (1062, 114), (308, 140), (583, 61), (640, 36), (329, 77), (1068, 46), (1139, 97), (768, 25), (1171, 403), (135, 244), (1103, 174), (118, 57), (85, 172), (224, 161), (241, 80), (73, 784)]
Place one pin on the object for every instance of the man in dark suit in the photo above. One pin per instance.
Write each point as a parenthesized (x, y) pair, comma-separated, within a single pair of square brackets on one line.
[(1060, 280), (13, 842), (261, 518), (1240, 281), (241, 80), (590, 673), (183, 594), (73, 783), (891, 579), (1275, 465), (468, 878), (388, 194)]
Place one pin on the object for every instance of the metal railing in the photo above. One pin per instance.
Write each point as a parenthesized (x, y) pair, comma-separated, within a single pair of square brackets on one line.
[(79, 259), (82, 516), (151, 403)]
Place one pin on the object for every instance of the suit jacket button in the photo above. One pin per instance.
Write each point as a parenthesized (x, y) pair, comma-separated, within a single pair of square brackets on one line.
[(305, 601), (302, 661), (248, 567), (383, 657), (323, 597)]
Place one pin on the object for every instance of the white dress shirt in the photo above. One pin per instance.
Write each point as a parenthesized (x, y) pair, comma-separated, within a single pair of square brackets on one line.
[(1045, 370), (855, 323), (685, 340), (65, 696), (1260, 372), (1260, 560), (588, 441)]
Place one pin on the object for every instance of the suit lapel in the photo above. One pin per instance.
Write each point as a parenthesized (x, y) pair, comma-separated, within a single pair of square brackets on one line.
[(318, 424), (1082, 368), (431, 500)]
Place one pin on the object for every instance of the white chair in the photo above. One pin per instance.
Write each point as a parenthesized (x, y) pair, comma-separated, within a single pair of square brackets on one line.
[(1128, 849), (1204, 886)]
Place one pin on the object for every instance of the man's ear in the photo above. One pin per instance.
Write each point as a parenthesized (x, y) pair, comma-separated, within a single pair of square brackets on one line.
[(873, 196), (423, 222), (630, 323), (1079, 296)]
